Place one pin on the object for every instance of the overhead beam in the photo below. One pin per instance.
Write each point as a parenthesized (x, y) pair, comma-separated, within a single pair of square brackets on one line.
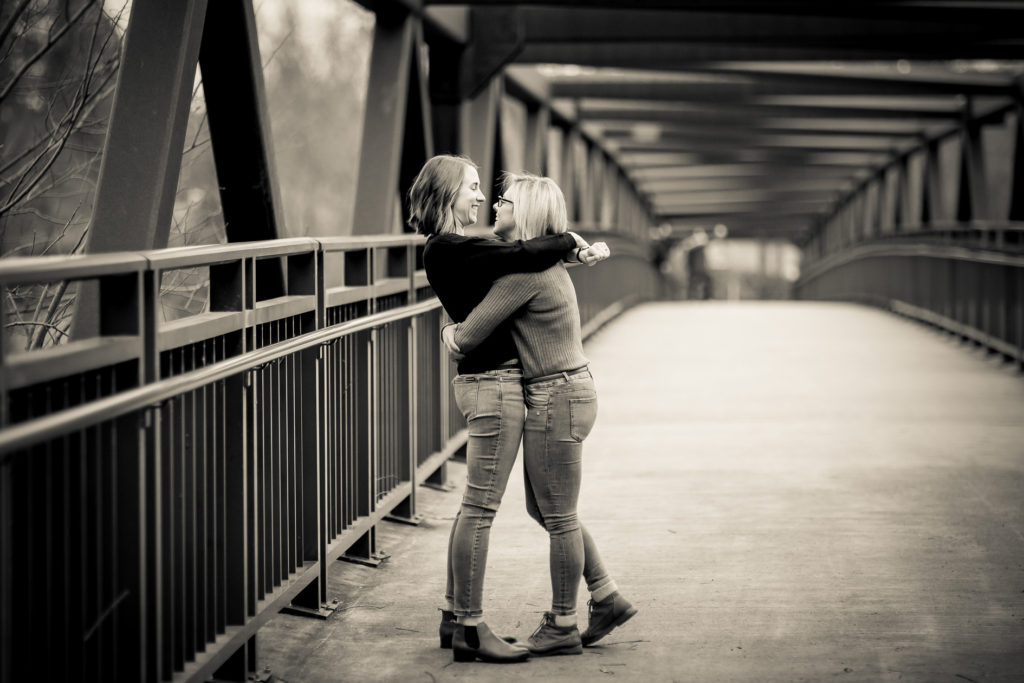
[(675, 54), (935, 9), (762, 157), (655, 111), (768, 124), (729, 89), (811, 206), (738, 170), (766, 181), (741, 195), (882, 34), (697, 141)]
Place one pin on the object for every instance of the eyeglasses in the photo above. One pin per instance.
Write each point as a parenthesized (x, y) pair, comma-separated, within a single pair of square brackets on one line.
[(502, 201)]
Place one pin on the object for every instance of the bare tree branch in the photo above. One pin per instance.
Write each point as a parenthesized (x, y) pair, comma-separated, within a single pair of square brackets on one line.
[(50, 42), (38, 337), (72, 121), (9, 26), (36, 323)]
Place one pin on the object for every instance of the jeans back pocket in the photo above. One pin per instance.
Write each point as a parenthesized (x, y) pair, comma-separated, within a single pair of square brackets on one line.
[(582, 416)]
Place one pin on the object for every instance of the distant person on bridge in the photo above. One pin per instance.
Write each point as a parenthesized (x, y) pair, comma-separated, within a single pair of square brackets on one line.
[(562, 407), (445, 198)]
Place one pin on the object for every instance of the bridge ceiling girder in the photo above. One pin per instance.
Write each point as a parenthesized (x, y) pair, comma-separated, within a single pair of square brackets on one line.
[(995, 11), (701, 185), (796, 103), (691, 35), (735, 81)]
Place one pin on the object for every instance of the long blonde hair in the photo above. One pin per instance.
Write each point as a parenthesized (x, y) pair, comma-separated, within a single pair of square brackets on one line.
[(433, 193), (538, 206)]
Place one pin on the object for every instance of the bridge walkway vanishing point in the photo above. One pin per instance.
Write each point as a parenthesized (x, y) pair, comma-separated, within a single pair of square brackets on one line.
[(787, 491)]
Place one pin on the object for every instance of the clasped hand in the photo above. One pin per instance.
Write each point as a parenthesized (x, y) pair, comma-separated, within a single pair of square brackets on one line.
[(590, 253), (598, 251), (448, 337)]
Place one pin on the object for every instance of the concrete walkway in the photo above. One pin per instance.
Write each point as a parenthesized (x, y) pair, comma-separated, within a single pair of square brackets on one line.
[(787, 491)]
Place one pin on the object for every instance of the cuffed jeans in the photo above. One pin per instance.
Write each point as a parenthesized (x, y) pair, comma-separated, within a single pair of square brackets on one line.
[(561, 411), (492, 403)]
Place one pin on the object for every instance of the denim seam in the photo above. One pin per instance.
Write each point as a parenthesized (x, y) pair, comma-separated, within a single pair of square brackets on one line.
[(478, 529)]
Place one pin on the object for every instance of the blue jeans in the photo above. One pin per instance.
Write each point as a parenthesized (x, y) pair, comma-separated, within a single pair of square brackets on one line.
[(561, 411), (492, 403)]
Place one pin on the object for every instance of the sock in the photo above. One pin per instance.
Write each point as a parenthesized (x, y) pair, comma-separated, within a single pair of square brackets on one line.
[(565, 620), (602, 593), (470, 621)]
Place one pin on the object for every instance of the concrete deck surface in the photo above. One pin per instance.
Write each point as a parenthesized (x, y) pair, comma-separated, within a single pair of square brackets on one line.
[(788, 492)]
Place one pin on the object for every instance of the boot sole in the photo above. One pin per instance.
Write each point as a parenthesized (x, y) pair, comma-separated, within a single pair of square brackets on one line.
[(566, 650), (623, 618), (446, 641), (472, 655)]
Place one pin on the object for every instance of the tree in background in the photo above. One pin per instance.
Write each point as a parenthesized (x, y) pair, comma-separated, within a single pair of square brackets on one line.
[(58, 71)]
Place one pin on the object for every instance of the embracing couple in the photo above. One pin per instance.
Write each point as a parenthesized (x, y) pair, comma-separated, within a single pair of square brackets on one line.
[(522, 376)]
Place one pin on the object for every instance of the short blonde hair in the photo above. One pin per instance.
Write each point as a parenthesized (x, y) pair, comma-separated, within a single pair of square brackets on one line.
[(538, 206), (433, 191)]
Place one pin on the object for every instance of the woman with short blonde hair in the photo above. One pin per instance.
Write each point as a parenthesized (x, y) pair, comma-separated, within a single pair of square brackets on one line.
[(538, 206)]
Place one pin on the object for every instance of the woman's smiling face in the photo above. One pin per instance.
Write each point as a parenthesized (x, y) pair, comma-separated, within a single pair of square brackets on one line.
[(504, 219), (468, 199)]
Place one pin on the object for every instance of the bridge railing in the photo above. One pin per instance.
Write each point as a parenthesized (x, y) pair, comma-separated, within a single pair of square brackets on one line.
[(959, 280), (168, 485)]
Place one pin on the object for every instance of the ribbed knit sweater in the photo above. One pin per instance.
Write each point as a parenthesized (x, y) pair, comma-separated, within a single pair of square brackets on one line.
[(545, 326), (461, 270)]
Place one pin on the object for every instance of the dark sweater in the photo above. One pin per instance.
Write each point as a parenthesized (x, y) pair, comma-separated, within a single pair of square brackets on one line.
[(462, 269)]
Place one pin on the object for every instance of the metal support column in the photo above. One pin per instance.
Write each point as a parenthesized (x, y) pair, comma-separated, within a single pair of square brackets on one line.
[(141, 161), (479, 132), (384, 124), (240, 136)]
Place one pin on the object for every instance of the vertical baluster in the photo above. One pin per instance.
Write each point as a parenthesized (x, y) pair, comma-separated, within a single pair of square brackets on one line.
[(295, 437), (210, 457), (46, 557), (346, 500), (170, 599), (220, 539), (201, 543), (236, 446), (107, 551), (6, 560), (277, 427)]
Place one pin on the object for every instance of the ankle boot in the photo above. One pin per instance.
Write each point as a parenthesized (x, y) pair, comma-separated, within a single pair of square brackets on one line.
[(446, 630), (552, 639), (477, 642)]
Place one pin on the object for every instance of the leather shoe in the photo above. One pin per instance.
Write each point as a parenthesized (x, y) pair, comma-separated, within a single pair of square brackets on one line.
[(446, 630), (477, 642)]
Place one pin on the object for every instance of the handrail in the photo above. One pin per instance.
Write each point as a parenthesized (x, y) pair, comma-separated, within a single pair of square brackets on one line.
[(877, 250), (33, 269), (59, 424), (204, 255), (253, 444)]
